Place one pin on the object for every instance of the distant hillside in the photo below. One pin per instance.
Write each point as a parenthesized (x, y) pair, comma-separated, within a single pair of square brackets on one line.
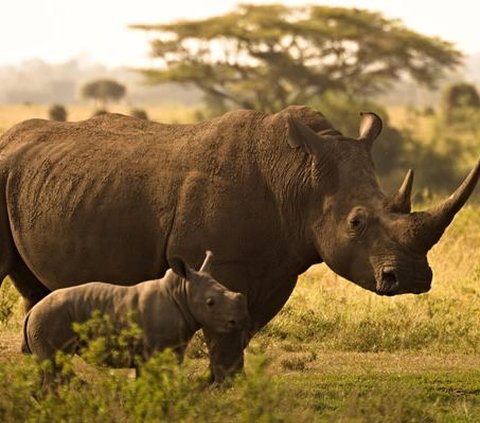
[(38, 82)]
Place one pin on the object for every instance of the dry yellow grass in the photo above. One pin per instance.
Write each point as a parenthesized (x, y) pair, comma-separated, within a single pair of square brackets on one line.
[(12, 114)]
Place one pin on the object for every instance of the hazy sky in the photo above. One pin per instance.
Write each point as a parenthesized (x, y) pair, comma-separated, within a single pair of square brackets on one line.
[(59, 30)]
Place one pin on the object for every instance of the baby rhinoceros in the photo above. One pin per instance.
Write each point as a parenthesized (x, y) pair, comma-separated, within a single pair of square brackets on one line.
[(168, 310)]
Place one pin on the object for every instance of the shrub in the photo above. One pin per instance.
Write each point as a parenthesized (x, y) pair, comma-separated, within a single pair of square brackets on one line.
[(57, 112), (139, 113), (99, 112), (104, 343)]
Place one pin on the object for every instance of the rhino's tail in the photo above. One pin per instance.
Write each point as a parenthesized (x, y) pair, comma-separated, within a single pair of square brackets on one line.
[(25, 347), (6, 240)]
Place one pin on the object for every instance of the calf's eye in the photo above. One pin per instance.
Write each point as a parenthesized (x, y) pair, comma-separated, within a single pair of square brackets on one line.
[(355, 222), (210, 302)]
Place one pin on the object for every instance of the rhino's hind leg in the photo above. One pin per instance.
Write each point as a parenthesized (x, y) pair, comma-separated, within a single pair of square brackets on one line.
[(29, 287)]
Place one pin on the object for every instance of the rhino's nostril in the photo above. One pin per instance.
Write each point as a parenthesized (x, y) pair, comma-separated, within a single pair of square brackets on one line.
[(389, 283), (389, 278)]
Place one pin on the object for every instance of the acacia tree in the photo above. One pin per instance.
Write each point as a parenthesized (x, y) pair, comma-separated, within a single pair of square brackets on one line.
[(103, 90), (268, 56)]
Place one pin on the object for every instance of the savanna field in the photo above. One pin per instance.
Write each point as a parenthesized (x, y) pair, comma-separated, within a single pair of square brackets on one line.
[(335, 353)]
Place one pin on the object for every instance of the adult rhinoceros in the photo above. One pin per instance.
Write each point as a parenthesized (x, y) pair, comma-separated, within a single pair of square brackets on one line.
[(113, 197)]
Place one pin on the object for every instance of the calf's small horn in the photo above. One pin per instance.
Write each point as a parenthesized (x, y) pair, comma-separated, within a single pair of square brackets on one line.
[(207, 263)]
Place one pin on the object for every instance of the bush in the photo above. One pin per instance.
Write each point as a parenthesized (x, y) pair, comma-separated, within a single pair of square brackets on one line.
[(165, 392), (99, 112), (19, 382), (57, 112), (139, 114), (104, 343)]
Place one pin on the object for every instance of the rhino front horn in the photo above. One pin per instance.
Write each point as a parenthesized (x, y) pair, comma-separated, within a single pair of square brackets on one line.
[(430, 225), (207, 263)]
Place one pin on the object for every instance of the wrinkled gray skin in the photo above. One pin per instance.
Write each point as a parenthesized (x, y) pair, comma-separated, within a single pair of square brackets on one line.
[(113, 197), (168, 311)]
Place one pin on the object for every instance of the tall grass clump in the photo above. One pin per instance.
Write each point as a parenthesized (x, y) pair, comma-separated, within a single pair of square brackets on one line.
[(9, 298), (19, 382), (165, 391)]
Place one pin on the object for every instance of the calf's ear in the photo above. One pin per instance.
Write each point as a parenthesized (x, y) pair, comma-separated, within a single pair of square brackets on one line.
[(179, 267)]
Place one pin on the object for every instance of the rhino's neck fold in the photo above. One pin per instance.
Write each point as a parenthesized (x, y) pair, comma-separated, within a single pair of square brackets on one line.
[(180, 295)]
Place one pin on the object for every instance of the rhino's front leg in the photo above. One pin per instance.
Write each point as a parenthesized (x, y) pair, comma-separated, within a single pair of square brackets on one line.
[(226, 354)]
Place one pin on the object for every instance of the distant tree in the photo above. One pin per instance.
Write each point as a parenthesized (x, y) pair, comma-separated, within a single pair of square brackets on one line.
[(57, 112), (139, 113), (103, 91), (268, 56), (460, 95)]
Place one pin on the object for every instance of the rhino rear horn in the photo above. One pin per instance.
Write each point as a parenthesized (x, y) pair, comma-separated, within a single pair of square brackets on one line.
[(400, 202), (428, 226), (207, 263), (370, 127)]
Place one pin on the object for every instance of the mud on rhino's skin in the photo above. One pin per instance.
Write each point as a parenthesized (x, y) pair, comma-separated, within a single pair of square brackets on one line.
[(168, 311), (111, 198)]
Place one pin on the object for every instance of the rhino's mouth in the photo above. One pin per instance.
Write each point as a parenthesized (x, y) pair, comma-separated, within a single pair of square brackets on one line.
[(387, 283)]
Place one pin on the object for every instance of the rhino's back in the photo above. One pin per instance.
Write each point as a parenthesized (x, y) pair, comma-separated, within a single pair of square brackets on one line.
[(150, 304), (87, 193), (110, 198), (48, 325), (96, 200)]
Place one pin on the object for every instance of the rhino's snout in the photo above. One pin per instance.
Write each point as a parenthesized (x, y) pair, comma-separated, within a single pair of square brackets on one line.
[(233, 324), (239, 317), (388, 283), (391, 282)]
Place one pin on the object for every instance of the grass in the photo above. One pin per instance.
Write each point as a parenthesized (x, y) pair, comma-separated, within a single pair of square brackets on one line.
[(335, 353), (12, 114)]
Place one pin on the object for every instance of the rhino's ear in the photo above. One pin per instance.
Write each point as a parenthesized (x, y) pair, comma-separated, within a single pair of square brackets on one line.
[(301, 135), (179, 267), (370, 128)]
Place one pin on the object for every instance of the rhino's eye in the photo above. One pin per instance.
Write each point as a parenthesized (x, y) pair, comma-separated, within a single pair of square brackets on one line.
[(357, 221), (210, 302)]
